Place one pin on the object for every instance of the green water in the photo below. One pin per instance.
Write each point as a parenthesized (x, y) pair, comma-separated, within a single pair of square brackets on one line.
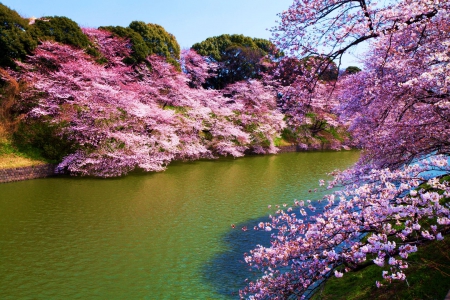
[(147, 236)]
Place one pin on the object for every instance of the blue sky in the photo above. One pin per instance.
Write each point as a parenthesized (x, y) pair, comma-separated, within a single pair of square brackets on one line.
[(190, 21)]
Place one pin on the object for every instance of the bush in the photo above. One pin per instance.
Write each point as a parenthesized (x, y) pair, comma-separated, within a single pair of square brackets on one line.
[(37, 138), (148, 39), (239, 57), (15, 41), (59, 29)]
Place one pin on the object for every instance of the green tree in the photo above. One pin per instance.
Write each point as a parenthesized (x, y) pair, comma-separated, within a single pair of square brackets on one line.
[(158, 40), (148, 39), (239, 57), (325, 68), (352, 70), (59, 29), (38, 138), (15, 41)]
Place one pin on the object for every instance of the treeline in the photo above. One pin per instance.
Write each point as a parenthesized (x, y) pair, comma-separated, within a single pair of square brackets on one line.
[(106, 101)]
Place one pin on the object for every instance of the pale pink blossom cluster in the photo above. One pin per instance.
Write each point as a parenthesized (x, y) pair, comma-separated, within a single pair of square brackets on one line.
[(307, 113), (143, 116), (398, 110), (377, 221)]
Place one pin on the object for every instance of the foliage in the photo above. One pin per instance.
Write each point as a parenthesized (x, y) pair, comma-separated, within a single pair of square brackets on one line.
[(59, 29), (37, 139), (398, 110), (158, 40), (324, 66), (216, 47), (139, 49), (10, 157), (21, 36), (309, 115), (15, 40), (352, 70), (287, 70), (238, 57), (428, 276), (302, 108), (10, 90), (147, 39)]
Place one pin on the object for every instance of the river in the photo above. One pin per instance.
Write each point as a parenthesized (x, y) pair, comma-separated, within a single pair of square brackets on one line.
[(161, 235)]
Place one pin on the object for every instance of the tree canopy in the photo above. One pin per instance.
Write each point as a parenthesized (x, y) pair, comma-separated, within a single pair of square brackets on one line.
[(146, 40), (352, 70), (396, 198), (158, 40), (59, 29), (15, 40), (216, 47), (111, 118), (239, 57), (20, 36)]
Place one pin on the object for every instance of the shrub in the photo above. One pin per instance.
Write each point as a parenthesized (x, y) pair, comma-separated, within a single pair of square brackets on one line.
[(15, 41)]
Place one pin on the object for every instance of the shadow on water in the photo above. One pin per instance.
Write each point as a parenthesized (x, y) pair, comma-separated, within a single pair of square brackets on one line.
[(227, 272)]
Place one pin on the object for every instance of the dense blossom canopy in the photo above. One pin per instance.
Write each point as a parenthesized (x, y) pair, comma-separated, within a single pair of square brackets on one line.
[(124, 117), (397, 196), (404, 94)]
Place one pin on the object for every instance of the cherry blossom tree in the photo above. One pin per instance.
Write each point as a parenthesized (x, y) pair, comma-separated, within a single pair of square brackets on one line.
[(308, 104), (331, 28), (380, 221), (396, 198), (121, 117), (105, 113), (258, 114), (196, 67), (403, 94)]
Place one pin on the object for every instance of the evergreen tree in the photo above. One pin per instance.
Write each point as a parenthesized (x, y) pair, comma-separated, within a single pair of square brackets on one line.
[(239, 57), (15, 41), (148, 39), (59, 29)]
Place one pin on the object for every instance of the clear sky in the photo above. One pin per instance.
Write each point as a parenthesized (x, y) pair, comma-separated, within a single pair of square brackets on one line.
[(190, 21)]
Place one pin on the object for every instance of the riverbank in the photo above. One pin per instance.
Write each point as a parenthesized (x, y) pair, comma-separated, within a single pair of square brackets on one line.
[(306, 148), (26, 173), (12, 161), (17, 168), (428, 277), (164, 235)]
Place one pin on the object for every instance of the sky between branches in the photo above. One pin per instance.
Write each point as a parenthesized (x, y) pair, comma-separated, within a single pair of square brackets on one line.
[(191, 21)]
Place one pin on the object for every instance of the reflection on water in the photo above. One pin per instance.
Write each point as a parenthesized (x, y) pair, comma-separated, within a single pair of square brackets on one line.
[(147, 236)]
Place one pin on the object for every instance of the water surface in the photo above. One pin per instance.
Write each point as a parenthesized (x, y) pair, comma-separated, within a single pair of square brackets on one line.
[(147, 236)]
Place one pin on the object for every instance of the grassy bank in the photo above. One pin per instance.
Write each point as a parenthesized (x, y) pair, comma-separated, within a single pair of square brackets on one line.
[(428, 277), (12, 158), (428, 274)]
